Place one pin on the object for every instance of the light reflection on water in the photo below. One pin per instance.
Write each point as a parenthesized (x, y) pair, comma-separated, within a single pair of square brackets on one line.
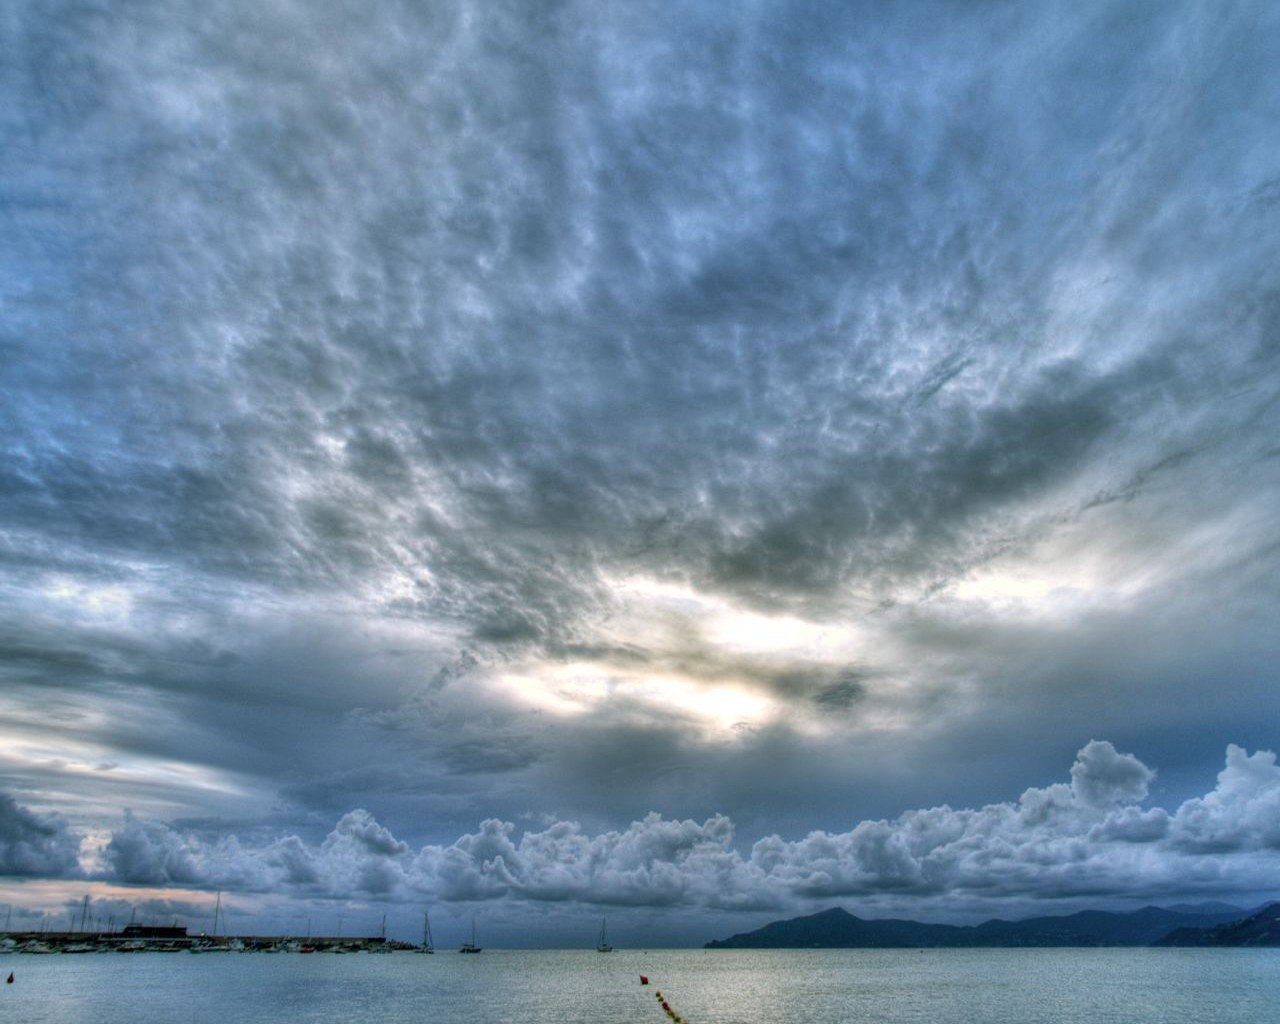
[(1029, 986)]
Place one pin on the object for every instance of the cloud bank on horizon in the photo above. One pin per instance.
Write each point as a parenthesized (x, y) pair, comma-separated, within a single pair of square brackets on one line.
[(543, 413), (1092, 837)]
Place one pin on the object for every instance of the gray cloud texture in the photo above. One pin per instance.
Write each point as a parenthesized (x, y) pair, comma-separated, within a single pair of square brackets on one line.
[(778, 412)]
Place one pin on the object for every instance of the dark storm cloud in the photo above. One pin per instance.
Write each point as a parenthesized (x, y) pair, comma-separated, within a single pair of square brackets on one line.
[(350, 357), (33, 845)]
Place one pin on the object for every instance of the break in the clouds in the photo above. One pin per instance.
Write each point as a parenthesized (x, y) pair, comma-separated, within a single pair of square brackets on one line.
[(784, 414)]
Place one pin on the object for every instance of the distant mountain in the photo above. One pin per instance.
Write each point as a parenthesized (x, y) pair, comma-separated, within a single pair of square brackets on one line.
[(1208, 907), (838, 929), (1099, 927), (1258, 929)]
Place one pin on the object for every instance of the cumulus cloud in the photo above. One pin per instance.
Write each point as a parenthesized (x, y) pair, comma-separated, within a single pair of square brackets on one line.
[(1103, 777), (34, 844), (1241, 813), (1090, 837)]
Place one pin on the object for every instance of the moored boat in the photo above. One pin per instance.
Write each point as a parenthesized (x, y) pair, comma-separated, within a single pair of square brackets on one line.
[(470, 947), (427, 945)]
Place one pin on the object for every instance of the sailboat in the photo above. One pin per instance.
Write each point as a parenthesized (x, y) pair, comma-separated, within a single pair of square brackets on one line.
[(427, 945), (603, 946), (209, 943), (381, 946), (470, 947)]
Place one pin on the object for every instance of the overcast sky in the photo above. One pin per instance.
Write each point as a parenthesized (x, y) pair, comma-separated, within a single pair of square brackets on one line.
[(687, 461)]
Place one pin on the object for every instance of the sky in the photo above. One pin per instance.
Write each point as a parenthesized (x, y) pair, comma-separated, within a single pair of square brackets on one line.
[(685, 462)]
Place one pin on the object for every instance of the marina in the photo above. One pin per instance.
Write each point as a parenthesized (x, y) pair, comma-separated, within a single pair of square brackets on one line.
[(136, 938)]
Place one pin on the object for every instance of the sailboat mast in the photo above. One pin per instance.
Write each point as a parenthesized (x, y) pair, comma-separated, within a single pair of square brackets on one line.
[(217, 909)]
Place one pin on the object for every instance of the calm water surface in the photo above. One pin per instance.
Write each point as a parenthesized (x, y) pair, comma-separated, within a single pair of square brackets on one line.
[(706, 987)]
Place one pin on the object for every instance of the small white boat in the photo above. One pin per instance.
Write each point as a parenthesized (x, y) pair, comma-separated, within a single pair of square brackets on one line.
[(208, 947)]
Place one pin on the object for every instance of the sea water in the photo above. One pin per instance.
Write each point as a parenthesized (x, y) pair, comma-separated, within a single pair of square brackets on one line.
[(955, 986)]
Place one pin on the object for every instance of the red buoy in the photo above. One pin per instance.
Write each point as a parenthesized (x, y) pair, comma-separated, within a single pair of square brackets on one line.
[(9, 980), (643, 980)]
